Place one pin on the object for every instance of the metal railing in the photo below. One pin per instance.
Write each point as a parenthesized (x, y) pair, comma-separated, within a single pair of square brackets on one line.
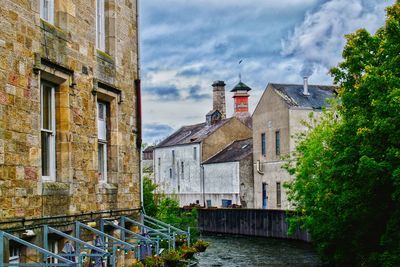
[(166, 228), (46, 254)]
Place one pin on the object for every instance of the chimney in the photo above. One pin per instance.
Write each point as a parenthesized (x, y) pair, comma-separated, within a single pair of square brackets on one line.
[(305, 87), (219, 98), (241, 98)]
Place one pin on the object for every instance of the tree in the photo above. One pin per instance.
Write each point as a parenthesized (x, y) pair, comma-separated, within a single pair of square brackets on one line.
[(150, 202), (347, 186)]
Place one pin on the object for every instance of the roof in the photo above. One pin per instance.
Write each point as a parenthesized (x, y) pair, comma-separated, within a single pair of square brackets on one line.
[(236, 151), (191, 134), (148, 149), (240, 87), (293, 95)]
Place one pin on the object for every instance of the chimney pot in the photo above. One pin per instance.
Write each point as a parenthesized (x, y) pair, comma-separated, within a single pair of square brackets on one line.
[(305, 87)]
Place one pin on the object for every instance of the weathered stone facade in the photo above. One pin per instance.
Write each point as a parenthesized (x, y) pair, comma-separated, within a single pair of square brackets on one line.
[(34, 51)]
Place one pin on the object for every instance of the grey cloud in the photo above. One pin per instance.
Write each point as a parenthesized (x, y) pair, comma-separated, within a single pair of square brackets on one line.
[(156, 132), (319, 39), (196, 94), (168, 93)]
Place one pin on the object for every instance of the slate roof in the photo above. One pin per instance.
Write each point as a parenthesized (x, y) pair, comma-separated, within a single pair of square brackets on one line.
[(236, 151), (191, 134), (293, 95)]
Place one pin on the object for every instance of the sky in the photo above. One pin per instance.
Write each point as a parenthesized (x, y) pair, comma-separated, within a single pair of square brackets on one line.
[(188, 44)]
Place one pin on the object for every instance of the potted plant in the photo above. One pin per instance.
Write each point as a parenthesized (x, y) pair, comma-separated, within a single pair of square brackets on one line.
[(188, 252), (201, 245), (153, 261), (171, 258)]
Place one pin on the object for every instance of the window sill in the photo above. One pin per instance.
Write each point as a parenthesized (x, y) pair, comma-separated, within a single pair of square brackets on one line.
[(51, 188), (51, 28), (104, 56)]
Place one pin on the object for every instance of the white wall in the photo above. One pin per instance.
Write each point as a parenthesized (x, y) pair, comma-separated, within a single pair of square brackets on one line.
[(185, 185), (221, 181)]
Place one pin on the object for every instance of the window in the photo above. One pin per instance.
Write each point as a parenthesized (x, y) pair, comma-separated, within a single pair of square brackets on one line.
[(173, 156), (47, 10), (48, 131), (170, 172), (278, 194), (264, 195), (102, 143), (182, 170), (195, 153), (263, 145), (53, 247), (278, 143), (14, 253), (100, 26), (226, 203), (208, 203)]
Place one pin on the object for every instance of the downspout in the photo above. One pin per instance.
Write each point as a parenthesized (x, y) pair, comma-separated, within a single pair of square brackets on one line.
[(139, 106)]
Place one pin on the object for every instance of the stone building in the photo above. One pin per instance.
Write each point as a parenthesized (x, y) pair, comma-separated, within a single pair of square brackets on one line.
[(147, 162), (276, 120), (69, 117), (178, 159), (228, 176)]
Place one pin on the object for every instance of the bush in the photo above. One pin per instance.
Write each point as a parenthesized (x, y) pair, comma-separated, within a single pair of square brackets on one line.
[(201, 245), (153, 261)]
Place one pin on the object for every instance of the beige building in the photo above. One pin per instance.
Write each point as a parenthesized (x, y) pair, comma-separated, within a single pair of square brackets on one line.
[(69, 122), (276, 119)]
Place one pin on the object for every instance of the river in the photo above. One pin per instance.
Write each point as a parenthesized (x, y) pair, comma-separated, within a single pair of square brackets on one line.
[(232, 251)]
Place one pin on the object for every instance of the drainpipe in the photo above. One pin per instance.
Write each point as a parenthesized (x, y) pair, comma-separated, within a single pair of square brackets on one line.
[(204, 188), (139, 106)]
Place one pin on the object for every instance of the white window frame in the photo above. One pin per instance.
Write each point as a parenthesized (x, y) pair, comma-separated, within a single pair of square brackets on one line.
[(47, 10), (100, 26), (53, 247), (52, 132), (102, 141), (15, 253)]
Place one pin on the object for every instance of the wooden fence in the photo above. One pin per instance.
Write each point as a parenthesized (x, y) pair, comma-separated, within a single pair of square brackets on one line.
[(251, 222)]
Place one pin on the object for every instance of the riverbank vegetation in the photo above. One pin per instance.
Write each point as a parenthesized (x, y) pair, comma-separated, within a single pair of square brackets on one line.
[(347, 186)]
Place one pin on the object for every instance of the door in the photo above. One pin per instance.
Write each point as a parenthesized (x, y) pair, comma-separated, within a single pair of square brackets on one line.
[(264, 195)]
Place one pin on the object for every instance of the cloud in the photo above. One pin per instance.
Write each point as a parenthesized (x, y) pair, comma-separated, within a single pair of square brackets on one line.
[(319, 39), (186, 45), (154, 133)]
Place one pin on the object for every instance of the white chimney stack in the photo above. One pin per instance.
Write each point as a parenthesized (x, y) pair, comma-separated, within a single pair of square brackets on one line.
[(305, 87)]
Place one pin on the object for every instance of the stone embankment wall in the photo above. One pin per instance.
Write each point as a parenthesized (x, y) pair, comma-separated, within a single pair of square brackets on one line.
[(251, 222)]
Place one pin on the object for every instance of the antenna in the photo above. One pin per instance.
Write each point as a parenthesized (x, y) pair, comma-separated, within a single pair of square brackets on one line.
[(240, 74)]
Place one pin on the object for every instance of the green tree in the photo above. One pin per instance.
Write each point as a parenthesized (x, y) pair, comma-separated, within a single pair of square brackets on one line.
[(347, 186), (149, 199)]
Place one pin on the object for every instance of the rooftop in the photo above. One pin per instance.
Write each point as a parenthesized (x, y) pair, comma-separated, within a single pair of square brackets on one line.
[(236, 151), (191, 133), (293, 95)]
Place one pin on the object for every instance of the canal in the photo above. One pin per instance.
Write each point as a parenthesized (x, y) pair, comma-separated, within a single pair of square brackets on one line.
[(255, 251)]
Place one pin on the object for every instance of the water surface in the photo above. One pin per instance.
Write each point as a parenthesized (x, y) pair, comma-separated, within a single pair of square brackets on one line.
[(255, 251)]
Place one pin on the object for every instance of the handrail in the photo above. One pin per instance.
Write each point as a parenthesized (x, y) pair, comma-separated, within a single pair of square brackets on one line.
[(43, 251), (98, 232), (48, 229), (164, 224), (137, 236), (168, 237)]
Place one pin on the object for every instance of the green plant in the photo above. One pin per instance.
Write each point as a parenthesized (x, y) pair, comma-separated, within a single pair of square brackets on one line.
[(201, 245), (138, 264), (347, 186), (172, 257), (153, 261), (188, 252)]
